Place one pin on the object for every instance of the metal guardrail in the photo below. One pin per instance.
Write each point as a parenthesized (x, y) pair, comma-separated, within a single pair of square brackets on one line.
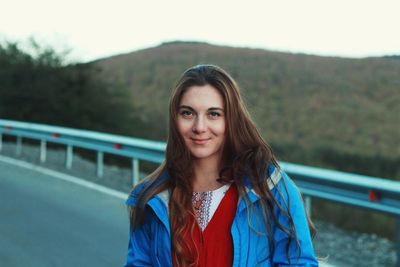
[(134, 148), (373, 193)]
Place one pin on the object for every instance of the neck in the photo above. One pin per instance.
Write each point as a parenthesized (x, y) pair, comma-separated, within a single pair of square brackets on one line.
[(206, 173)]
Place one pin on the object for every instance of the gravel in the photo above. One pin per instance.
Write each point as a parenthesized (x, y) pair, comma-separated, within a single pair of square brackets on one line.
[(333, 245), (343, 248)]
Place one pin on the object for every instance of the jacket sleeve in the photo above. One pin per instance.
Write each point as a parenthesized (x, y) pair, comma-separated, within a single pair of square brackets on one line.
[(138, 248), (289, 198), (139, 239)]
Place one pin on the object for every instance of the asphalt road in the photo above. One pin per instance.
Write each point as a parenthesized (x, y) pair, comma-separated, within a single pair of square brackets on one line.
[(46, 222)]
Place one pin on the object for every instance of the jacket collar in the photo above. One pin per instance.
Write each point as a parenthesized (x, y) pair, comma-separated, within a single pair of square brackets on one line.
[(274, 174), (159, 203)]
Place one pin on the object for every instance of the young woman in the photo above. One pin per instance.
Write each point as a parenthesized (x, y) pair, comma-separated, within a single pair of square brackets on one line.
[(220, 198)]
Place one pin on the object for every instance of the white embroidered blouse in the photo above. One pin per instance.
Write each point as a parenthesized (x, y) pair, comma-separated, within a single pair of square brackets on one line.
[(206, 203)]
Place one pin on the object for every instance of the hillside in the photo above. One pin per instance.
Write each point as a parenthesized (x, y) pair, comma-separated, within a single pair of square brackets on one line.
[(324, 111)]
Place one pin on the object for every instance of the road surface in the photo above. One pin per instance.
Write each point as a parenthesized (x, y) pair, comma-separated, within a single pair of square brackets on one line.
[(50, 222)]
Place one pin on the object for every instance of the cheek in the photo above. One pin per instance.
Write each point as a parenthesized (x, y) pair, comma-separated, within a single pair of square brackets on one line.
[(183, 126), (219, 129)]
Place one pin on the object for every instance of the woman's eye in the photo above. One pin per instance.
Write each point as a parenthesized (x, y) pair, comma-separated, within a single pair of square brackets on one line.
[(214, 114), (186, 113)]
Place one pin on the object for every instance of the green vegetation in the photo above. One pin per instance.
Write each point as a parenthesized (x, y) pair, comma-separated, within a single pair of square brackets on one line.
[(331, 112), (37, 86)]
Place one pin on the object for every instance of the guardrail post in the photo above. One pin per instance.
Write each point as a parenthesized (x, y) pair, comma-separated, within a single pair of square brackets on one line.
[(307, 204), (99, 164), (68, 160), (397, 245), (18, 149), (42, 151), (1, 142), (135, 171)]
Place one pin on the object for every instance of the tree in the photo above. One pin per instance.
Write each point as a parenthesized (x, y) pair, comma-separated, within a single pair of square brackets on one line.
[(38, 86)]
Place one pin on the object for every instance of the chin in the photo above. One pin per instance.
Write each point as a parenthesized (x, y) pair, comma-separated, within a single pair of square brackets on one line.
[(202, 154)]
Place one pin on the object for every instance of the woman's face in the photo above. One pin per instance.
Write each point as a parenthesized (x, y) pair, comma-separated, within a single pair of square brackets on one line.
[(201, 121)]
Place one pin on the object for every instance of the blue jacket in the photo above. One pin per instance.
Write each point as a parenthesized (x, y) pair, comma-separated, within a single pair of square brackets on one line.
[(150, 244)]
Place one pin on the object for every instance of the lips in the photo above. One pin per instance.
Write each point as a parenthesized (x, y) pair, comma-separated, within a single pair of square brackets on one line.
[(200, 141)]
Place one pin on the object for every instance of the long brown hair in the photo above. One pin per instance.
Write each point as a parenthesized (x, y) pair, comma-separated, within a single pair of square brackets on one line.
[(245, 153)]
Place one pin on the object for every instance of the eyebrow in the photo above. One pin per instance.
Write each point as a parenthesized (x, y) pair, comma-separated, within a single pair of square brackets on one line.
[(192, 109)]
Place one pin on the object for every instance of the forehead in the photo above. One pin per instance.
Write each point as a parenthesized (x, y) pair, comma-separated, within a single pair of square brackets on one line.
[(202, 96)]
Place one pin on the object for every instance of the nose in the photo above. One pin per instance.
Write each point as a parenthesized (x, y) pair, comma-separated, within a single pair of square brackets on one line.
[(199, 125)]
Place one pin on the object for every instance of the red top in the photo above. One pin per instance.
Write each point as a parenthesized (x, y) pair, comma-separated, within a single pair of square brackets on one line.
[(214, 244)]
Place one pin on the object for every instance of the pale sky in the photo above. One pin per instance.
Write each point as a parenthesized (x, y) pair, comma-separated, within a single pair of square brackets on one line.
[(95, 29)]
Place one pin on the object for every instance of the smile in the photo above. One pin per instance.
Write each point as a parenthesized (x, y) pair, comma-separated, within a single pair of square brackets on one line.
[(200, 141)]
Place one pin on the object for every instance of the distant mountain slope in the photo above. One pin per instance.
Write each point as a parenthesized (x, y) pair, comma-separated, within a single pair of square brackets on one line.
[(328, 111)]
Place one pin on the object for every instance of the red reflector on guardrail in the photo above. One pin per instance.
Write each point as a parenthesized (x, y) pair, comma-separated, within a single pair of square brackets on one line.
[(55, 135), (373, 196), (117, 146)]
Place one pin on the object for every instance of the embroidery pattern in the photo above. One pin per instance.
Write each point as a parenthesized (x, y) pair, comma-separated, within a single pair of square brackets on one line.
[(201, 203)]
